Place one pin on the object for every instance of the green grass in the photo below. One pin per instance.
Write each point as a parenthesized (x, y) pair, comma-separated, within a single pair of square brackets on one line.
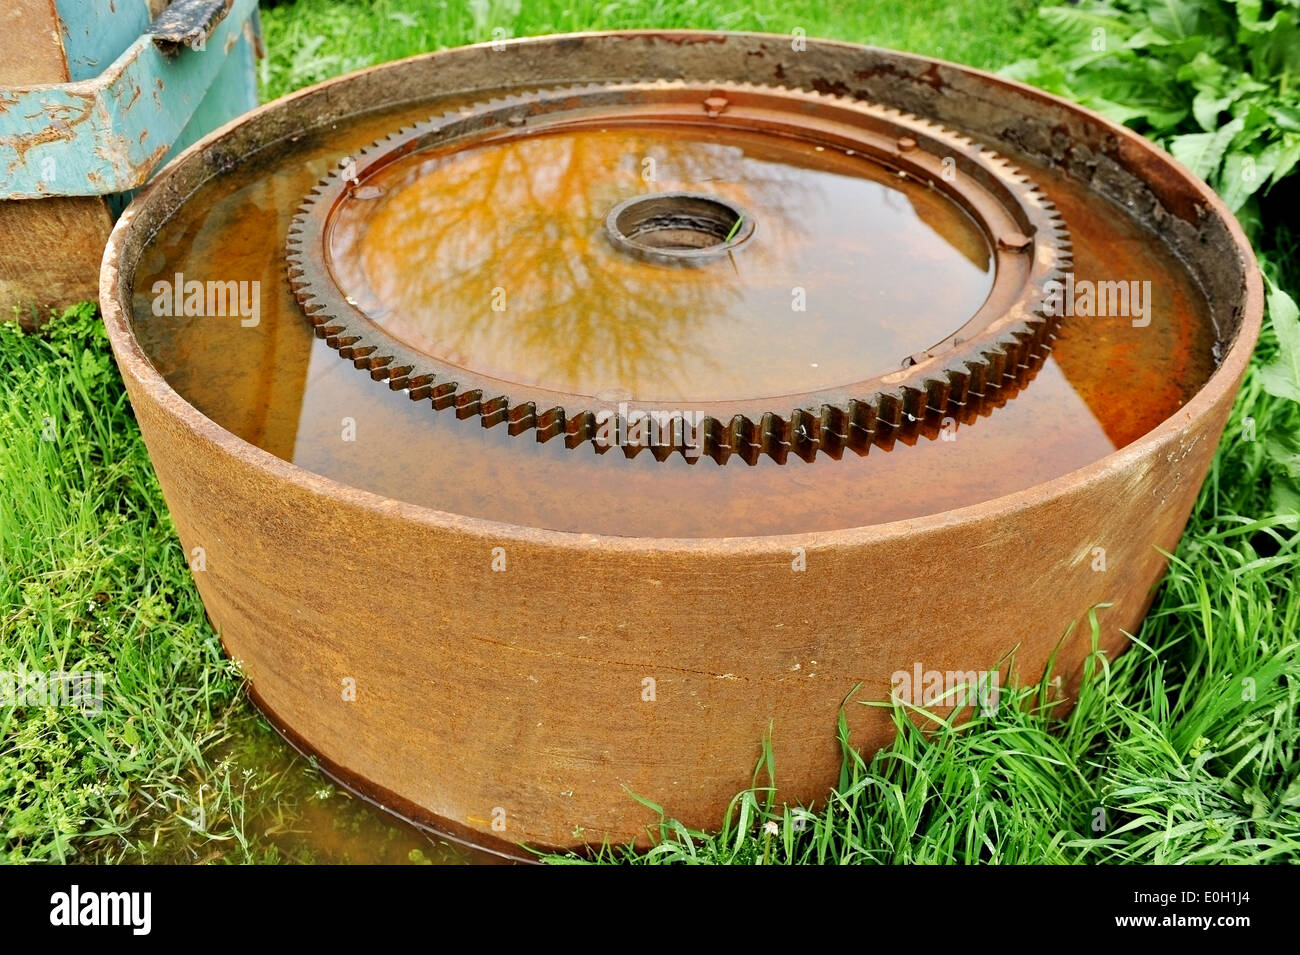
[(1164, 759), (177, 766), (311, 40), (92, 580)]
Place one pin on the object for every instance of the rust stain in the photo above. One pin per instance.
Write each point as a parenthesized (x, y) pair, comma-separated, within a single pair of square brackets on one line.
[(688, 39), (832, 87), (932, 76), (59, 120)]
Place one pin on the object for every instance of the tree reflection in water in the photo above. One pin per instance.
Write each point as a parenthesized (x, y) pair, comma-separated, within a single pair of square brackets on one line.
[(426, 260)]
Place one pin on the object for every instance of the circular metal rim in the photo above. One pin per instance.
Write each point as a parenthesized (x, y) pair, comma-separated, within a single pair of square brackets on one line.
[(991, 355), (123, 248), (669, 256)]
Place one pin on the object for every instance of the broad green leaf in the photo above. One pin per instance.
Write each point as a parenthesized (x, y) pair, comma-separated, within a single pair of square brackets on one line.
[(1284, 448), (1206, 108), (1205, 73), (1176, 18), (1146, 37), (1203, 152), (1285, 497), (1164, 119), (1286, 117), (1285, 154), (1281, 377), (1243, 175), (1119, 112), (1254, 123), (1080, 21), (1248, 13)]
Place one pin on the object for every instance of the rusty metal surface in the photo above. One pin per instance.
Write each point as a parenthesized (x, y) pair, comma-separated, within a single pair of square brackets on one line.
[(30, 51), (188, 23), (990, 351), (53, 248), (476, 695)]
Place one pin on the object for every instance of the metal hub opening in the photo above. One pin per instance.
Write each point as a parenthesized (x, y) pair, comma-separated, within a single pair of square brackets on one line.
[(678, 228)]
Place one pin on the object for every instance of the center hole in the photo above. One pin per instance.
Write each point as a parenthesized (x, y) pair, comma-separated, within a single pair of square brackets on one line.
[(677, 226)]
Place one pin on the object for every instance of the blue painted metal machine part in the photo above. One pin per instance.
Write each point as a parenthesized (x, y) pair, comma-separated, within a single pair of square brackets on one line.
[(105, 132)]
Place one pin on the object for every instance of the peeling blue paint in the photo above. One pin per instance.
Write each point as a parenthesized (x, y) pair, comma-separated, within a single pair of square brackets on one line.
[(97, 32), (107, 134)]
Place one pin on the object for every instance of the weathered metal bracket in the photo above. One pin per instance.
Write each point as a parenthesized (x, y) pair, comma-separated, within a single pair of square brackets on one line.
[(108, 134), (188, 23)]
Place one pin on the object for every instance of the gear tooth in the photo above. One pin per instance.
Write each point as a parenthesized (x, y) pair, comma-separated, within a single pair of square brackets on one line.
[(776, 436), (549, 423), (419, 387), (493, 411), (805, 433), (579, 427), (913, 403), (749, 451), (397, 377), (831, 429), (713, 440), (861, 425), (467, 403), (997, 367), (744, 433), (521, 417), (889, 411), (936, 394), (443, 394), (958, 387), (834, 421)]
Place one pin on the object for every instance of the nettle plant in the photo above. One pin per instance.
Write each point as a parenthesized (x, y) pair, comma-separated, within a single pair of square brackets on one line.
[(1217, 84), (1213, 81)]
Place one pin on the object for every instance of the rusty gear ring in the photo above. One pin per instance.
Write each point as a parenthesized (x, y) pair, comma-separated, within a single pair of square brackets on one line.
[(984, 361)]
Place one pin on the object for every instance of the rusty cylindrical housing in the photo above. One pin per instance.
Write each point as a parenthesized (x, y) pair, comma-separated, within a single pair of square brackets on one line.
[(518, 695)]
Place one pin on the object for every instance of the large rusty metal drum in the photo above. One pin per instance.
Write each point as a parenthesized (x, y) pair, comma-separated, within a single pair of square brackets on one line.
[(940, 363)]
